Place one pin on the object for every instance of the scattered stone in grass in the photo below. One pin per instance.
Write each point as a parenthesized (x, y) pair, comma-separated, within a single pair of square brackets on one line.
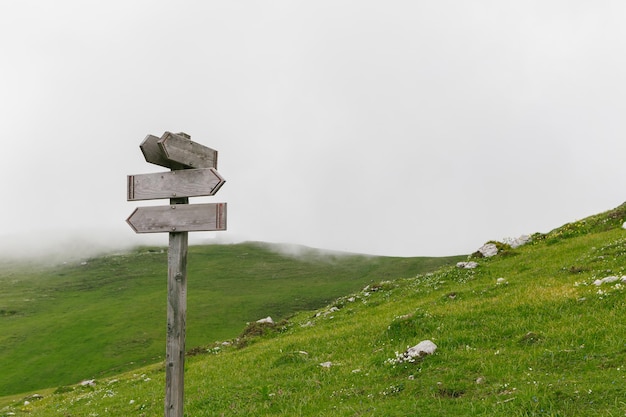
[(413, 354), (488, 250), (326, 364), (451, 295), (88, 383), (467, 265), (267, 320), (517, 241), (480, 380), (33, 397), (423, 348), (501, 281), (327, 312), (609, 279), (258, 328)]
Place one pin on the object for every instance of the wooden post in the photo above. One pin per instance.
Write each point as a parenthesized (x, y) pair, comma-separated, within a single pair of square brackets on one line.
[(176, 317), (192, 174)]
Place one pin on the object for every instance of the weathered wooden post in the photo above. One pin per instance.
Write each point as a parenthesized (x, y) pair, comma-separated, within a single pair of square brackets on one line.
[(176, 319), (193, 173)]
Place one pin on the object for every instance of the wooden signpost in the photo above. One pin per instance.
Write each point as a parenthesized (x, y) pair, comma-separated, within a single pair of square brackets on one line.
[(193, 173)]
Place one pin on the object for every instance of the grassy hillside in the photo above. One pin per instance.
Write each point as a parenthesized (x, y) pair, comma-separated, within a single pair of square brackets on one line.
[(98, 317), (526, 333)]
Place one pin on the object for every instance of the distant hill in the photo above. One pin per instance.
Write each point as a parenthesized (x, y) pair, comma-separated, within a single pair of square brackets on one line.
[(535, 330), (96, 317)]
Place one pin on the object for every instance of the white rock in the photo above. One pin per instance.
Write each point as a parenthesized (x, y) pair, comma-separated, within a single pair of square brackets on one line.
[(607, 280), (327, 312), (624, 225), (488, 250), (267, 320), (517, 241), (467, 265), (423, 348), (326, 364), (501, 281), (88, 382)]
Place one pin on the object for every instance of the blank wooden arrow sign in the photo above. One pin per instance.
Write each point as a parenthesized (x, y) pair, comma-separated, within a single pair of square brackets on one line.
[(174, 184), (179, 218), (177, 151), (182, 150)]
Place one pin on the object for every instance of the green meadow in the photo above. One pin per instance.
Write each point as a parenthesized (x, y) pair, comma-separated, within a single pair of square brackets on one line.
[(531, 331), (97, 317)]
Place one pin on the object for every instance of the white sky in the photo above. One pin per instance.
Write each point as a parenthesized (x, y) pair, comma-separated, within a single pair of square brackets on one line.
[(386, 127)]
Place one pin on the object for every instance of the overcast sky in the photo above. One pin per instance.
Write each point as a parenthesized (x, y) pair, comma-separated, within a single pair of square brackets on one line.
[(399, 128)]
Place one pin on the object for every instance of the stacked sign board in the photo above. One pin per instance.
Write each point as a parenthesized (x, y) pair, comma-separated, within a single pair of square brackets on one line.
[(193, 174)]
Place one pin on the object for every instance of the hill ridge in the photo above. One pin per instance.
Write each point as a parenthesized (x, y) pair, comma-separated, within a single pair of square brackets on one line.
[(526, 332)]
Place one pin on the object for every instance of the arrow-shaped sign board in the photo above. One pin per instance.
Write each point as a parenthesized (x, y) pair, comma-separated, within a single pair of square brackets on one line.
[(179, 218), (174, 184), (177, 151), (182, 150)]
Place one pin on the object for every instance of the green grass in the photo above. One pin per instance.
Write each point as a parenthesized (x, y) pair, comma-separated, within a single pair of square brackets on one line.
[(60, 325), (541, 341)]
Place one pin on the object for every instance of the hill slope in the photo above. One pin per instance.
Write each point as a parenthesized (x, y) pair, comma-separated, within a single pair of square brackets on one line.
[(104, 315), (533, 331)]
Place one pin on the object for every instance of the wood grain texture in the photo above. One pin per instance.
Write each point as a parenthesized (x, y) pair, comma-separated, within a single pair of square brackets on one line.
[(182, 150), (179, 218), (173, 184), (153, 153), (176, 324)]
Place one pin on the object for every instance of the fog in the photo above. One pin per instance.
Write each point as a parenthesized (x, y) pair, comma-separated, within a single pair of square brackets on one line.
[(403, 128)]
